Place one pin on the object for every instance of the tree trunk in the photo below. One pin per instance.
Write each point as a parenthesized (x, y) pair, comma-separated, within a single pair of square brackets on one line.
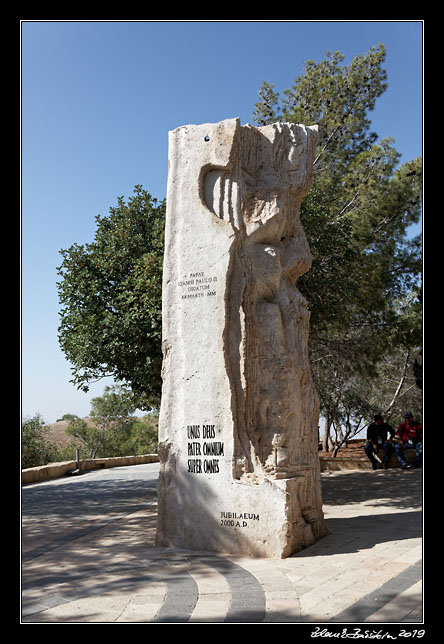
[(327, 444), (388, 411)]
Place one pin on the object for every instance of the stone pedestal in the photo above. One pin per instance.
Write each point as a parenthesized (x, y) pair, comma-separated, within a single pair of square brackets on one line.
[(239, 414)]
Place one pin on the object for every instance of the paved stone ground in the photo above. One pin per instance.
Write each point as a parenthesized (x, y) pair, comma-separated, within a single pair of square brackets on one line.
[(367, 570)]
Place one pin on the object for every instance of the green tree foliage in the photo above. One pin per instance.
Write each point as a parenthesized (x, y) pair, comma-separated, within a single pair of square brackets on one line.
[(363, 287), (361, 205), (36, 448), (110, 291), (112, 430), (111, 414)]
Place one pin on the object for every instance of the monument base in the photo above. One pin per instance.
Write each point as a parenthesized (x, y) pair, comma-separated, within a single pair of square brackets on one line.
[(262, 520)]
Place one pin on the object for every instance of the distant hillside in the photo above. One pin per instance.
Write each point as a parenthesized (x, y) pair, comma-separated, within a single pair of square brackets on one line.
[(57, 431)]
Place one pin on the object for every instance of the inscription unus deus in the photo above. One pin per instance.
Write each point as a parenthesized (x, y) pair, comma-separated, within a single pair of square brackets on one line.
[(204, 449)]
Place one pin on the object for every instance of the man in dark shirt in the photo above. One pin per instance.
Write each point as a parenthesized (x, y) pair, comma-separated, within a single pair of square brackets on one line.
[(379, 436)]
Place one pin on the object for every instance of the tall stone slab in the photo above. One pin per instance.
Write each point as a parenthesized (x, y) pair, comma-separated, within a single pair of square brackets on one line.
[(239, 413)]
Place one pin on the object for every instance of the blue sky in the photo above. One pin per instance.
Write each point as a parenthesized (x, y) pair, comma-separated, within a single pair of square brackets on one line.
[(98, 100)]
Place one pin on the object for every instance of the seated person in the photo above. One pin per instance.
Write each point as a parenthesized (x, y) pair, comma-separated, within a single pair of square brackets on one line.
[(409, 434), (379, 436)]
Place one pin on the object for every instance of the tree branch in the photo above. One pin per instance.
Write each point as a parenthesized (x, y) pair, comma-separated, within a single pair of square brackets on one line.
[(388, 411)]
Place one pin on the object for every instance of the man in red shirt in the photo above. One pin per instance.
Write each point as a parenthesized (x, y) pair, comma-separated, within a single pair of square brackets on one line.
[(409, 434)]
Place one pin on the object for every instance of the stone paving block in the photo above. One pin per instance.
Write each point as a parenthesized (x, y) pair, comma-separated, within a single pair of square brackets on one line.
[(412, 555), (283, 610), (381, 574), (415, 616), (211, 608), (400, 607), (318, 595), (89, 609), (32, 609), (295, 577), (302, 589), (143, 607)]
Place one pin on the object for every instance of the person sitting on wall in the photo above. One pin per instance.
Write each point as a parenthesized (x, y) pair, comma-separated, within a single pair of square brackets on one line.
[(409, 434), (379, 436)]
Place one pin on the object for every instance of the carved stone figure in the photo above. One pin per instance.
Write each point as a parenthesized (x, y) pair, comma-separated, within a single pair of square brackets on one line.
[(239, 415)]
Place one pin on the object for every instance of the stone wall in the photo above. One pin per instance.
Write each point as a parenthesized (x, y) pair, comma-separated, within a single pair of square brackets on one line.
[(56, 470)]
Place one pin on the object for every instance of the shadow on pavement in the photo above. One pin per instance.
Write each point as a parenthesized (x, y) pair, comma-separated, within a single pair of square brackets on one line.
[(400, 489)]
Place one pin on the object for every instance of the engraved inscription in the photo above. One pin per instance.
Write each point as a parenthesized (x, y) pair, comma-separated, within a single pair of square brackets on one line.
[(238, 519), (204, 449), (196, 285)]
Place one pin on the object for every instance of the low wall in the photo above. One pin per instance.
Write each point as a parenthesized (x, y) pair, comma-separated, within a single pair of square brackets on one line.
[(330, 464), (56, 470)]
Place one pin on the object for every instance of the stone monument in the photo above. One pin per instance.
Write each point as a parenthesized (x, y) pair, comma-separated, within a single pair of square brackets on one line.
[(238, 435)]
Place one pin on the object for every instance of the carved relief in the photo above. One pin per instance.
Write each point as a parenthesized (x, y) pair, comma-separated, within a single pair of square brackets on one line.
[(268, 318)]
